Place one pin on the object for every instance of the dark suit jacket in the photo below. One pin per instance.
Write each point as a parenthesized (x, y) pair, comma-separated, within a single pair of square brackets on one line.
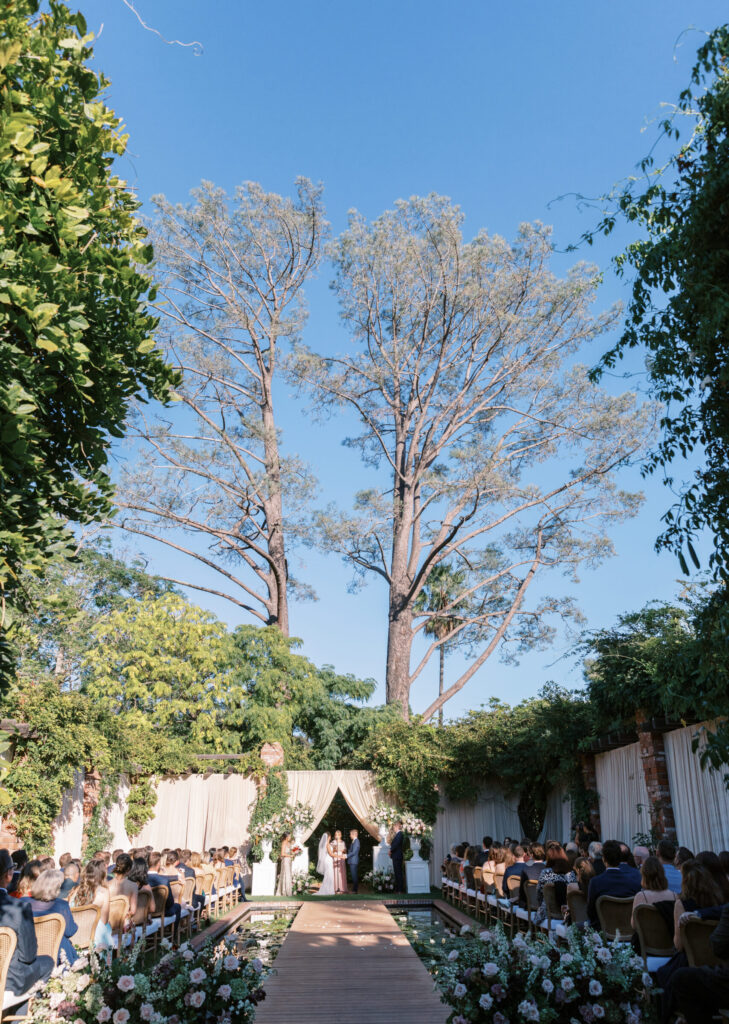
[(18, 915), (353, 853), (396, 846), (612, 882), (720, 936), (481, 857), (514, 869), (529, 873), (599, 865), (187, 870), (154, 879)]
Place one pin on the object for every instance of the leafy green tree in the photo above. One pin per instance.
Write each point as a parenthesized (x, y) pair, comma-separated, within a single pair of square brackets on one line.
[(437, 603), (162, 661), (495, 450), (75, 336), (678, 313)]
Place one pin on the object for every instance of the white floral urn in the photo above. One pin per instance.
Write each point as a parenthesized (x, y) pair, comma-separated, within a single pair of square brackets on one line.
[(300, 862), (266, 846), (381, 854), (415, 847)]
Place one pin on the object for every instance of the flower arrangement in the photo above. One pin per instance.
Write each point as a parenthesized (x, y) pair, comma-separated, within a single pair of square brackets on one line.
[(300, 816), (383, 815), (494, 980), (185, 986), (416, 828), (380, 881), (300, 883)]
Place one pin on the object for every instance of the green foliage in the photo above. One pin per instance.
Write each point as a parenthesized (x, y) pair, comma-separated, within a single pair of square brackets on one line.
[(97, 834), (679, 309), (141, 802), (273, 795), (75, 337)]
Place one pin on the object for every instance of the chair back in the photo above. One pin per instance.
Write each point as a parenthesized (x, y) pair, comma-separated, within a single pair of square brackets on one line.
[(86, 917), (208, 880), (188, 889), (513, 884), (160, 893), (695, 935), (118, 913), (468, 873), (531, 895), (554, 910), (8, 942), (177, 889), (614, 914), (478, 879), (49, 931), (653, 932), (488, 880), (143, 907), (453, 874), (577, 902)]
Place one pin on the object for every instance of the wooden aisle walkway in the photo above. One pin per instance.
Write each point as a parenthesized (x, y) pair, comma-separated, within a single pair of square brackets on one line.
[(346, 963)]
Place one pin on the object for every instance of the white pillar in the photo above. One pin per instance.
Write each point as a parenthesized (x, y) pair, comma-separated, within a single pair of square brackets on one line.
[(417, 870), (381, 853), (264, 873)]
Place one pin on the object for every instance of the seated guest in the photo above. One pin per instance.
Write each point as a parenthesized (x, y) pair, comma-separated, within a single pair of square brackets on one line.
[(640, 854), (584, 871), (119, 884), (232, 860), (28, 875), (139, 875), (507, 861), (514, 869), (20, 859), (711, 862), (63, 860), (614, 881), (47, 864), (627, 861), (183, 857), (483, 853), (594, 852), (92, 890), (724, 861), (699, 891), (700, 992), (655, 891), (26, 967), (71, 876), (666, 853), (556, 871), (682, 855), (44, 900), (531, 871), (453, 855)]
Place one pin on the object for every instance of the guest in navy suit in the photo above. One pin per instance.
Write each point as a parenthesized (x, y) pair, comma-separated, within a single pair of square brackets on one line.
[(617, 880), (353, 858), (26, 967), (396, 854)]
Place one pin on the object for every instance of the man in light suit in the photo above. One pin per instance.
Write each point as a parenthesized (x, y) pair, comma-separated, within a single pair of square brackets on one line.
[(616, 880), (396, 855), (26, 967), (353, 859)]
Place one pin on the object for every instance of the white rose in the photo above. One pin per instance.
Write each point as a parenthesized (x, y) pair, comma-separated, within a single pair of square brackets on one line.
[(595, 988), (121, 1016), (489, 970), (188, 955), (547, 986), (566, 959), (146, 1011), (567, 984), (604, 955), (647, 980), (257, 965), (453, 955), (485, 1002), (465, 929), (125, 983), (197, 976), (224, 991), (459, 991), (197, 999), (103, 1015), (231, 963), (598, 1011), (485, 936)]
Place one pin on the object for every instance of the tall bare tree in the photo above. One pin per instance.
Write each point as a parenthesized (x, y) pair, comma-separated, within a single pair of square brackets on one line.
[(210, 481), (499, 455)]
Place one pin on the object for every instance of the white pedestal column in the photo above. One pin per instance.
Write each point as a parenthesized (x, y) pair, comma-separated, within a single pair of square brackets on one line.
[(381, 853), (416, 870), (301, 860), (264, 873)]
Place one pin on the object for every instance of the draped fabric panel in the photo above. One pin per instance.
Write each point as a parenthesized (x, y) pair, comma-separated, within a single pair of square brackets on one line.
[(317, 789), (68, 828), (624, 806), (200, 811), (493, 813), (361, 792), (558, 816), (700, 798)]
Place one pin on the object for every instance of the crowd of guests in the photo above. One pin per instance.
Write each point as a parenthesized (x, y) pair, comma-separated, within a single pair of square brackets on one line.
[(31, 888), (677, 882)]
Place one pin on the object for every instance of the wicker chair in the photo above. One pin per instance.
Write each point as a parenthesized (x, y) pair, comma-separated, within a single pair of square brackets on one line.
[(481, 908), (614, 915), (49, 929), (86, 917), (178, 890), (470, 900), (167, 924), (656, 941), (8, 942), (695, 935), (188, 891), (554, 923), (118, 914), (577, 903)]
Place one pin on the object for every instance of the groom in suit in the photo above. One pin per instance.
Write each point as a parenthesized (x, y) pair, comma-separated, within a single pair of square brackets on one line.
[(396, 855), (353, 858)]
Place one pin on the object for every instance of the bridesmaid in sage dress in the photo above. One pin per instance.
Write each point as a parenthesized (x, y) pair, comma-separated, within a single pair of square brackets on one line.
[(285, 886), (338, 853)]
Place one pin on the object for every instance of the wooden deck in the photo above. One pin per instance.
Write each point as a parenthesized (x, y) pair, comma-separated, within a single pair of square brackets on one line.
[(344, 962)]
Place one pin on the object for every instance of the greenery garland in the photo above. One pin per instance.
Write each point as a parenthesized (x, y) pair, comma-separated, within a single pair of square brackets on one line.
[(273, 796)]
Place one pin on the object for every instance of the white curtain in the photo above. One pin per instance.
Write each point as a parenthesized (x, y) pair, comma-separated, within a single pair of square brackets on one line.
[(361, 793), (492, 813), (68, 828), (558, 816), (624, 807), (700, 798), (317, 789)]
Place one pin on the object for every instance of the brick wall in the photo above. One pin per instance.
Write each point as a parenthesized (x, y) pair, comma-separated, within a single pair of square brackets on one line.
[(655, 772)]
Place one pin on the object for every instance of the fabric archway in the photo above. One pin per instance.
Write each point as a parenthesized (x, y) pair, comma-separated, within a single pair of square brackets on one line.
[(318, 789)]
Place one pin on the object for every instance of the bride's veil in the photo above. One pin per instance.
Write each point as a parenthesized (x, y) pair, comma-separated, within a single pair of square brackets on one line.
[(321, 862)]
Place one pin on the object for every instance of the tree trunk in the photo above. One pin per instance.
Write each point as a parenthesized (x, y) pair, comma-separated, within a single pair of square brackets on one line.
[(399, 643), (440, 684), (279, 611)]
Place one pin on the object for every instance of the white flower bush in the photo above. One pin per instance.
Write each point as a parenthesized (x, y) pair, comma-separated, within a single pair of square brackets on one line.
[(380, 881)]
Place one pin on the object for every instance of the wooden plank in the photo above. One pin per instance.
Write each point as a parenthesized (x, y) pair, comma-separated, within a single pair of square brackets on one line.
[(348, 961)]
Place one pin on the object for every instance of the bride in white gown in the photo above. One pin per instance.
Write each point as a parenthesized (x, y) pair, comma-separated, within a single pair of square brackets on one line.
[(325, 867)]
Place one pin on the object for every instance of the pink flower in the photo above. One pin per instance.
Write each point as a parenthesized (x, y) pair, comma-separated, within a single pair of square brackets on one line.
[(257, 965), (103, 1015), (146, 1011), (125, 983), (231, 963), (121, 1016), (197, 976), (197, 999), (188, 955), (224, 991)]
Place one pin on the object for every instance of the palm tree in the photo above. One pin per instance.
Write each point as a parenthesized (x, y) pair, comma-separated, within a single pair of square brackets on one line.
[(443, 586)]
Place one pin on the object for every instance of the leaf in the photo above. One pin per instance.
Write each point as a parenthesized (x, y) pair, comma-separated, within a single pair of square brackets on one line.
[(44, 313), (146, 346), (46, 344)]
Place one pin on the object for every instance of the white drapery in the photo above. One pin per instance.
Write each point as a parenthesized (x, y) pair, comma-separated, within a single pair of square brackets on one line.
[(492, 813), (318, 789), (68, 828), (624, 806), (700, 798), (558, 816)]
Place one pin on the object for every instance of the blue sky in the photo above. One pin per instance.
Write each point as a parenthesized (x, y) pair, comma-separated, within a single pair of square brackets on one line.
[(502, 107)]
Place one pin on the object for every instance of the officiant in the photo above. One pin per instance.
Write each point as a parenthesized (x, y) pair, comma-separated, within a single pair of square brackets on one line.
[(353, 858)]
